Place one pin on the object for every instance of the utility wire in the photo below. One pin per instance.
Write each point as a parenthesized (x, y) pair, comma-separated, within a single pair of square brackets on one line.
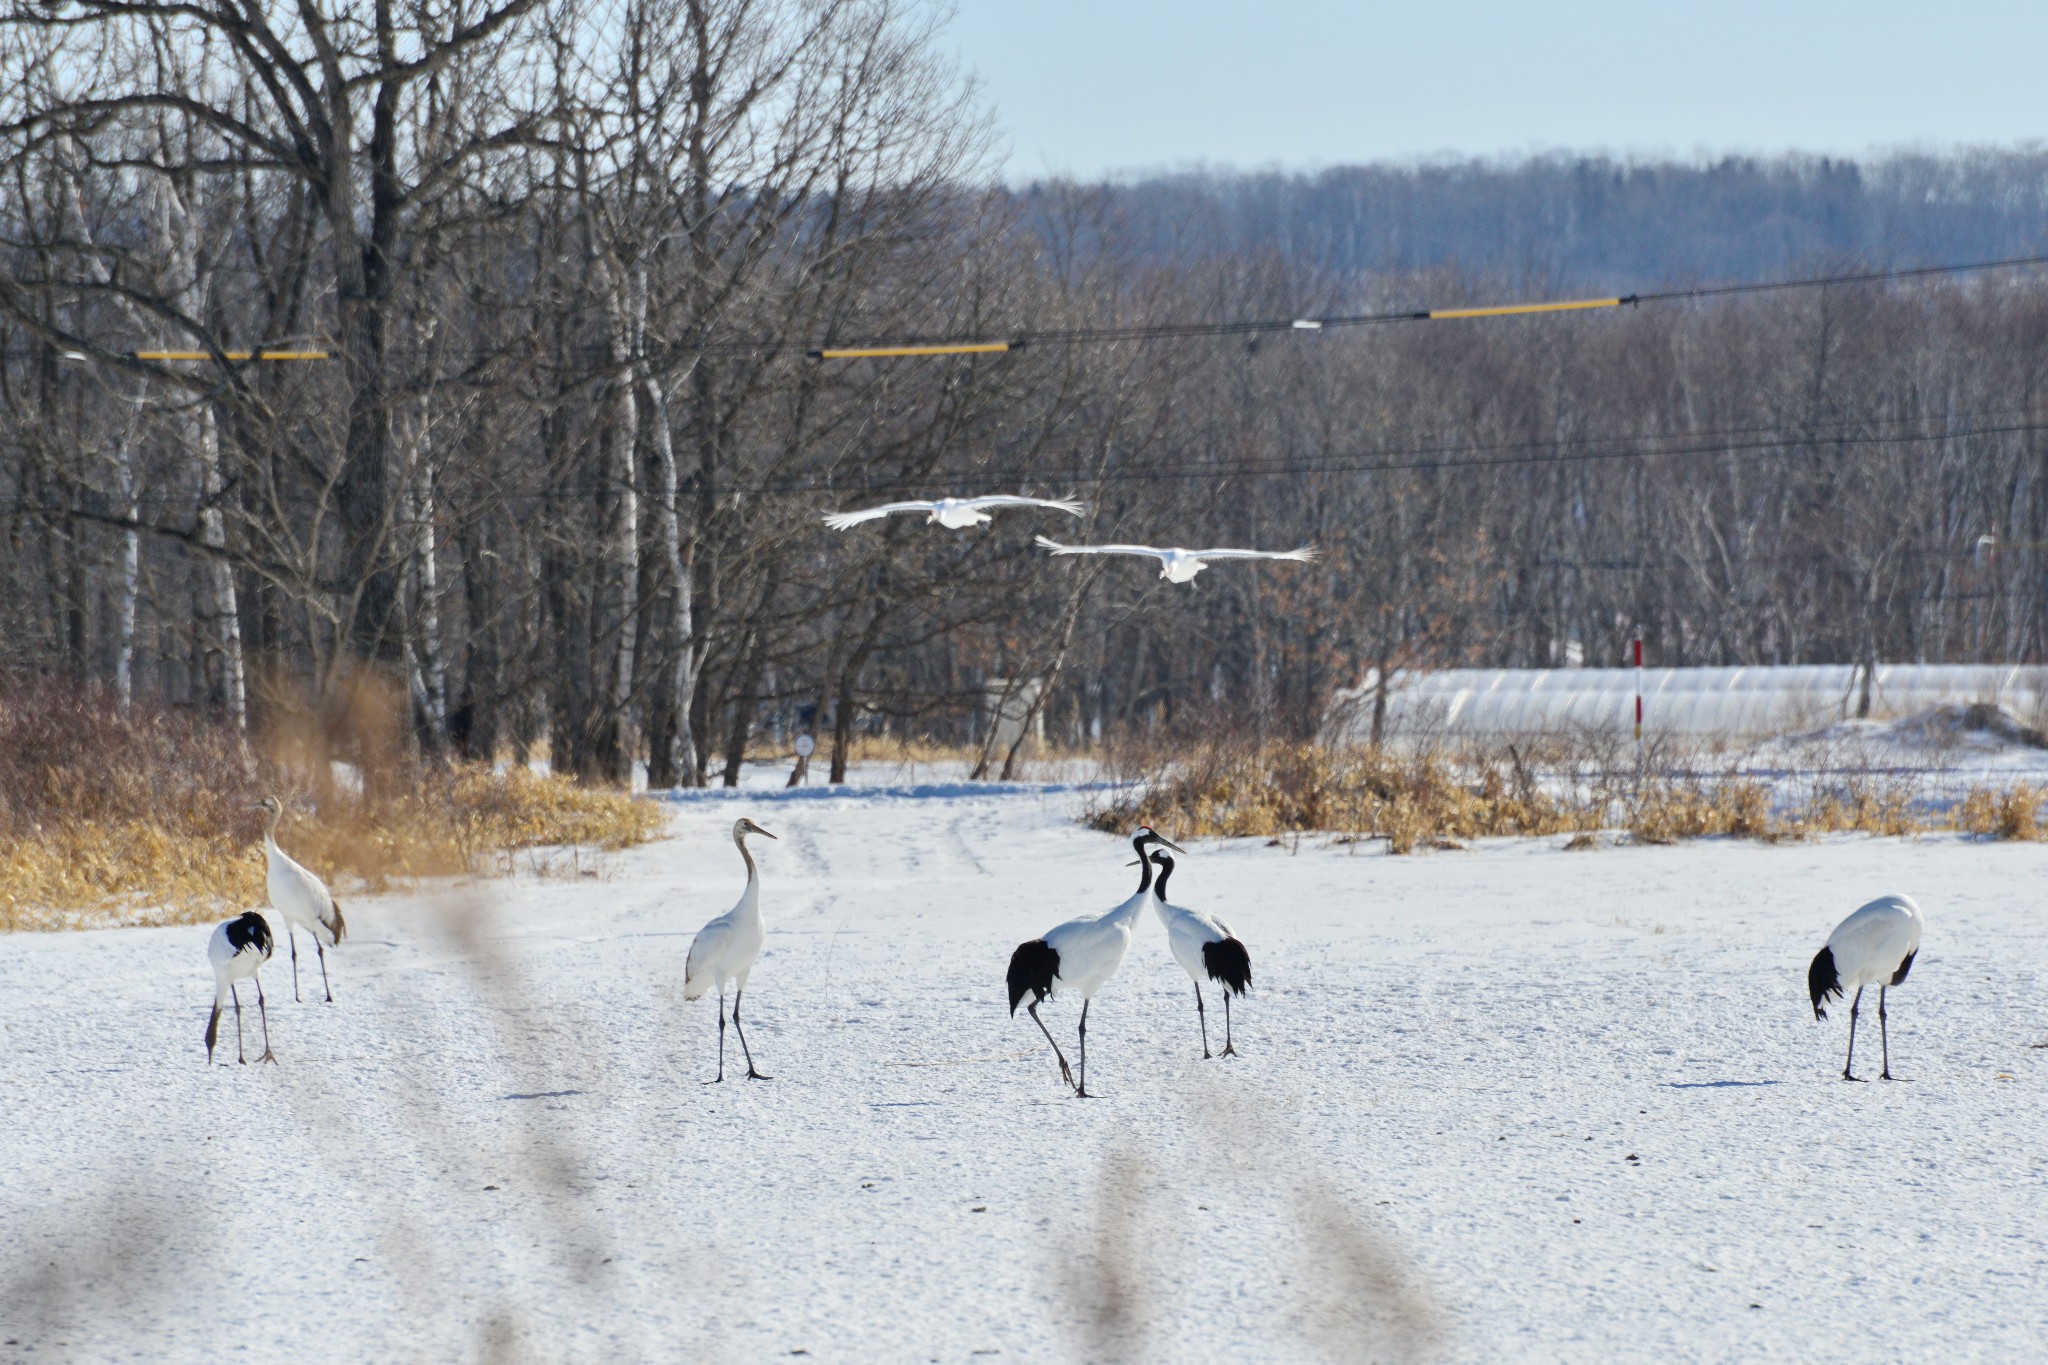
[(927, 345)]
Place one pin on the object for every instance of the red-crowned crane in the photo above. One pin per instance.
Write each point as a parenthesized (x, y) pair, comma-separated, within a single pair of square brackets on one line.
[(1205, 948), (302, 899), (1082, 954), (237, 949), (1876, 944), (724, 950)]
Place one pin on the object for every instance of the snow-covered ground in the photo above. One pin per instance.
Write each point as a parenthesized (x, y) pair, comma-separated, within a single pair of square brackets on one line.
[(1510, 1103)]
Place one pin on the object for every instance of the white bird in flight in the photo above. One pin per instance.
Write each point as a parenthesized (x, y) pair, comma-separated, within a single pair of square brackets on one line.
[(953, 513), (1175, 565)]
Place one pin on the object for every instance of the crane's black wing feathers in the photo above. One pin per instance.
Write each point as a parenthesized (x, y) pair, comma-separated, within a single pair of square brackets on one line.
[(1032, 969), (248, 932), (1228, 962), (1824, 983)]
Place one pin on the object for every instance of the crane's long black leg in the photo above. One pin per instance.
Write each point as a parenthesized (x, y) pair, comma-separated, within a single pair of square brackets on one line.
[(752, 1074), (264, 1010), (291, 934), (1229, 1047), (321, 949), (1884, 1038), (236, 996), (1066, 1072), (1081, 1091), (1848, 1067), (1202, 1015), (721, 1041)]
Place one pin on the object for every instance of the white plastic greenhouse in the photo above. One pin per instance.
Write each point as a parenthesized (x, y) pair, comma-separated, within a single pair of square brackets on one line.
[(1729, 703)]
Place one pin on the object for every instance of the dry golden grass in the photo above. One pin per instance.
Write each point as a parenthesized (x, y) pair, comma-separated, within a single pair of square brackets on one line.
[(1410, 800), (1990, 814), (1433, 798), (106, 818)]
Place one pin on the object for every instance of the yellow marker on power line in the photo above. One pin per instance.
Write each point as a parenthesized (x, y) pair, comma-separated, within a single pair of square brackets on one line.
[(233, 355), (1509, 310), (882, 352)]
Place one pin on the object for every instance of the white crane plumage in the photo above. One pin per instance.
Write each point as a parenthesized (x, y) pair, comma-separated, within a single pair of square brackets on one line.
[(1082, 954), (724, 950), (953, 513), (1205, 949), (302, 898), (1876, 944), (237, 949), (1176, 565)]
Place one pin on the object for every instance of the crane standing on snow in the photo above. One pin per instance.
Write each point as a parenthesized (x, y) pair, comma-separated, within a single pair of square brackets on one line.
[(1878, 943), (237, 949), (1084, 954), (955, 514), (725, 949), (1204, 947), (302, 898)]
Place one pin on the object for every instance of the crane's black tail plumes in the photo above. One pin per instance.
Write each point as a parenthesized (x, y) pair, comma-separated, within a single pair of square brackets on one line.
[(1824, 983), (1904, 967), (1032, 968), (1228, 962)]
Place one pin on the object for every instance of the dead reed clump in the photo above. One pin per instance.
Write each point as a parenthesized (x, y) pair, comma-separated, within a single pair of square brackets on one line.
[(1412, 800), (1666, 810), (1992, 814), (146, 816)]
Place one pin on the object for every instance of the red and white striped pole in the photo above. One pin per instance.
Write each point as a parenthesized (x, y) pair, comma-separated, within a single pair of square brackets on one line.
[(1639, 691)]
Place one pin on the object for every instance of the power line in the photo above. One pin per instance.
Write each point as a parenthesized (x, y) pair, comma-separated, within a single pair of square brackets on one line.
[(936, 344)]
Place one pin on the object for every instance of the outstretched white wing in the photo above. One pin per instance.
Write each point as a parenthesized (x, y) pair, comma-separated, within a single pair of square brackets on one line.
[(1067, 505), (839, 521), (1304, 554), (1060, 549)]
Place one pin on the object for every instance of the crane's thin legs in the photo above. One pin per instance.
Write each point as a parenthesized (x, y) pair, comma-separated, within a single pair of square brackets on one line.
[(264, 1010), (1066, 1072), (1883, 1037), (721, 1041), (1229, 1048), (236, 996), (288, 933), (752, 1074), (1203, 1016), (320, 949), (1081, 1091), (1848, 1067)]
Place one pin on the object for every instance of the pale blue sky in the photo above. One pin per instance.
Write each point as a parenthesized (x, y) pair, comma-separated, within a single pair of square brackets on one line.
[(1086, 87)]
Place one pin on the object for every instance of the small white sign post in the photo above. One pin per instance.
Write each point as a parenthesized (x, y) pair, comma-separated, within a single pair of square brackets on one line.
[(805, 747)]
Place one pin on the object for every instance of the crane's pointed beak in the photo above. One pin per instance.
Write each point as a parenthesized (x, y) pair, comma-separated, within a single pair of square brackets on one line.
[(1161, 838)]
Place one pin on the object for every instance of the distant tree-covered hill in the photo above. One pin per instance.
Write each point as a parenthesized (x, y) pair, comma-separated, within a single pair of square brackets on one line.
[(1590, 221)]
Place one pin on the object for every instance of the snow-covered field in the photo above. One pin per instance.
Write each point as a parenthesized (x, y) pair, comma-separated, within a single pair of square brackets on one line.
[(1504, 1104)]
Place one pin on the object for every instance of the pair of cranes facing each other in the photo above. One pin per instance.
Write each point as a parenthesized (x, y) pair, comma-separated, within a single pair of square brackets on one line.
[(1084, 953), (239, 948), (1176, 565)]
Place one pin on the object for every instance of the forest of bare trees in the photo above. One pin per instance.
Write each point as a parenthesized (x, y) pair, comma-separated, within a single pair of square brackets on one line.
[(559, 474)]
